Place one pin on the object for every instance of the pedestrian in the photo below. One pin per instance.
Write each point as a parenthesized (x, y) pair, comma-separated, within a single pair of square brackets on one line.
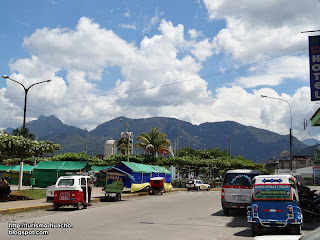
[(6, 186)]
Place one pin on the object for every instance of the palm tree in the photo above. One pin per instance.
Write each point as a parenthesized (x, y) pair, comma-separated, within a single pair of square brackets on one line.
[(122, 145), (154, 142), (27, 133)]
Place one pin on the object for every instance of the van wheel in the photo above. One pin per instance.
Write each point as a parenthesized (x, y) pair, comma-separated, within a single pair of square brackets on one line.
[(226, 211), (256, 229), (118, 197), (79, 205), (296, 229), (208, 189), (189, 189), (56, 206)]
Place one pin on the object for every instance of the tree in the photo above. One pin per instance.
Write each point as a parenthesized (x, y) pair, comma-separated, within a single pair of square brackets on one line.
[(17, 146), (27, 134), (122, 145), (154, 142)]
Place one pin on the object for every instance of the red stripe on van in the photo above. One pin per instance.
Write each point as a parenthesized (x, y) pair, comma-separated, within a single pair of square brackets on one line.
[(230, 186)]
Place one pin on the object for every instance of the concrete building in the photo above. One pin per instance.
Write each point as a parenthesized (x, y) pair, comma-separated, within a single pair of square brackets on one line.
[(110, 148)]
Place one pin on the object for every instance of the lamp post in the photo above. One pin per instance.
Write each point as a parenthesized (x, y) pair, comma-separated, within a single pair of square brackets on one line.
[(24, 119), (290, 132)]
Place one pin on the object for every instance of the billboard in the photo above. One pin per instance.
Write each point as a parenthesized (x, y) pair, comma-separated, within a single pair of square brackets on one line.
[(314, 60)]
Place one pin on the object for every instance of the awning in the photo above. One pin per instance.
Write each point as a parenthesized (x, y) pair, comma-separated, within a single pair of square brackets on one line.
[(116, 170)]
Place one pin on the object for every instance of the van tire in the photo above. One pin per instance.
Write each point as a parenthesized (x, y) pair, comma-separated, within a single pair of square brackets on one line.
[(256, 229), (296, 229), (226, 211), (56, 206), (208, 189), (79, 206)]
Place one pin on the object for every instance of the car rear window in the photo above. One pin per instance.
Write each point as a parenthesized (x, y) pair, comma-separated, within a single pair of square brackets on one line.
[(66, 182), (238, 179)]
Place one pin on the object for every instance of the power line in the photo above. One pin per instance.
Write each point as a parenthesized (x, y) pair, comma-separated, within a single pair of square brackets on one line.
[(278, 58)]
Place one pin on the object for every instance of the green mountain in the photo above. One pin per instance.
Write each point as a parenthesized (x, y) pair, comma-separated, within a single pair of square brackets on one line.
[(252, 143)]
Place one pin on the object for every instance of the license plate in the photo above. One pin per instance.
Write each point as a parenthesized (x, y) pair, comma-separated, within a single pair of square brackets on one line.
[(64, 196), (240, 198)]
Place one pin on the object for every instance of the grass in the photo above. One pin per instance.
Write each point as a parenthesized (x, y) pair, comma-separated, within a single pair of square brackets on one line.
[(31, 193)]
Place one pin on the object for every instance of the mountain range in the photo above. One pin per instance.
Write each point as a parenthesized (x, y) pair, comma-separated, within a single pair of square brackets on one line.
[(250, 142)]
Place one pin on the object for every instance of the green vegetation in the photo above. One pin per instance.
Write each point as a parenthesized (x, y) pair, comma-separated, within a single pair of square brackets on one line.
[(31, 193), (17, 146), (154, 142), (122, 145)]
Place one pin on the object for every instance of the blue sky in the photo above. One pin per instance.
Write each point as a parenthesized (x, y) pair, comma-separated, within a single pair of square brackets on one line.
[(196, 60)]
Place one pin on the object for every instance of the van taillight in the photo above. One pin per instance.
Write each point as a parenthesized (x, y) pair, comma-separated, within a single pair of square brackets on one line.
[(222, 193), (290, 210), (255, 209)]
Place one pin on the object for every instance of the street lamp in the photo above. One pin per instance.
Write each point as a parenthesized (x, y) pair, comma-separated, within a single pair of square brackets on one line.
[(24, 119), (290, 132)]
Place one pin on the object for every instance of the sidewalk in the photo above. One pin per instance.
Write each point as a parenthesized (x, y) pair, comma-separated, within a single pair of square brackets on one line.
[(16, 206)]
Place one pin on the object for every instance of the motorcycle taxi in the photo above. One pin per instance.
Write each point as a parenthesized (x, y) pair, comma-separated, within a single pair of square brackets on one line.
[(275, 204), (157, 185), (72, 190)]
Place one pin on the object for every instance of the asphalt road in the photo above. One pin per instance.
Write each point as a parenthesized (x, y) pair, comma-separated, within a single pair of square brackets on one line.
[(179, 215)]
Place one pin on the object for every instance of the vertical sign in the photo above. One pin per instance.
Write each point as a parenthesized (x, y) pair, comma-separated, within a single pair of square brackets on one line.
[(314, 59)]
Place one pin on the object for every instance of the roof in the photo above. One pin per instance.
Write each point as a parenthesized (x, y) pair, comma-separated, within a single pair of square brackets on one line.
[(160, 169), (26, 168), (109, 170), (4, 168), (274, 179), (62, 165), (96, 169), (139, 167), (242, 171)]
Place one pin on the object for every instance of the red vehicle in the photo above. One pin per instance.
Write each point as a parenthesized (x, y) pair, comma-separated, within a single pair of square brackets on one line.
[(72, 190), (157, 185)]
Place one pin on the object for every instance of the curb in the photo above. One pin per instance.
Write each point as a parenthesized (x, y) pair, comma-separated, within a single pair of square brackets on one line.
[(95, 199)]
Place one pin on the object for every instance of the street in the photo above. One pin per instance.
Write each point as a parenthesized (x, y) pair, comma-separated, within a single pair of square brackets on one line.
[(179, 215)]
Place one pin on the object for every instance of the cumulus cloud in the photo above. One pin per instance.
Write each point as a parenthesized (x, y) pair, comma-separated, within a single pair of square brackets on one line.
[(257, 29), (160, 76)]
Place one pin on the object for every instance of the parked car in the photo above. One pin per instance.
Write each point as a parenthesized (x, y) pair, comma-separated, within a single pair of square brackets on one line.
[(236, 189), (197, 185)]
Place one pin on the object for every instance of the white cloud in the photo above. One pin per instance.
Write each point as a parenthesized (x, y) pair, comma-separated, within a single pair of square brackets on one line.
[(276, 73), (166, 65), (128, 26), (258, 29)]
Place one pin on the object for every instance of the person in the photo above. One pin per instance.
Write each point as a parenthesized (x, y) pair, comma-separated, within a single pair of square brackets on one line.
[(90, 185), (6, 186)]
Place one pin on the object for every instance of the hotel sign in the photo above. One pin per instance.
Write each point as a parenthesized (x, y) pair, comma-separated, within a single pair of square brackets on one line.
[(314, 59)]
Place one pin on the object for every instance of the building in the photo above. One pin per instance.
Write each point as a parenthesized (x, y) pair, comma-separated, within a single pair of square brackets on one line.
[(110, 148), (297, 162)]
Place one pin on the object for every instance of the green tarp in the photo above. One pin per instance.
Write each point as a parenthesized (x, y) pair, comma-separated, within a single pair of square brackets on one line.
[(4, 168), (96, 169), (139, 167), (160, 169), (26, 168), (47, 173)]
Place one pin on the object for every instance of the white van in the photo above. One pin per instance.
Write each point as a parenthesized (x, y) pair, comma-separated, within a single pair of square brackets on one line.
[(236, 189)]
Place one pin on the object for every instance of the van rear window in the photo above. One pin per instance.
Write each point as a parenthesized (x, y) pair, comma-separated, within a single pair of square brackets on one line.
[(66, 182), (238, 179)]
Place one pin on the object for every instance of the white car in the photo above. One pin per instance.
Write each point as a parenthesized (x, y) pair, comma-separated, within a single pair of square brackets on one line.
[(197, 185)]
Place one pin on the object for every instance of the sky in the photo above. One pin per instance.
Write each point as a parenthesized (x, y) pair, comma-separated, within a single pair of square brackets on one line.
[(194, 60)]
